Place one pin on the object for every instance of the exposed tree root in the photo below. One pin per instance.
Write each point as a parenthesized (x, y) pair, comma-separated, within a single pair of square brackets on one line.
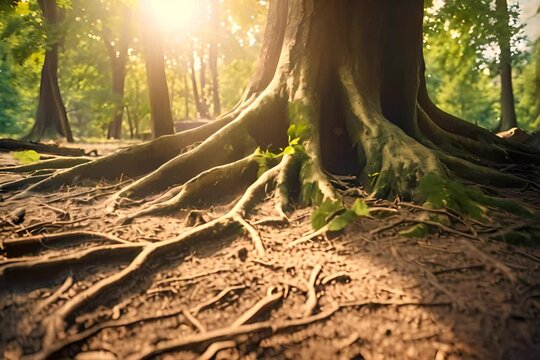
[(222, 180), (201, 340), (394, 160), (57, 163), (224, 226), (43, 266), (51, 299), (34, 244), (30, 229), (14, 145), (348, 116), (85, 334), (23, 183), (151, 155), (311, 302), (262, 306)]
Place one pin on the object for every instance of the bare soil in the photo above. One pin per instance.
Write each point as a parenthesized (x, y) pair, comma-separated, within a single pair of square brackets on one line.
[(454, 294)]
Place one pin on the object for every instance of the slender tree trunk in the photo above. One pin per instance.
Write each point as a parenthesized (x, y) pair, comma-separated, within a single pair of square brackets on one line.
[(51, 116), (172, 95), (213, 56), (130, 122), (118, 79), (508, 112), (202, 81), (118, 59), (136, 112), (186, 96), (158, 92), (536, 118), (201, 109)]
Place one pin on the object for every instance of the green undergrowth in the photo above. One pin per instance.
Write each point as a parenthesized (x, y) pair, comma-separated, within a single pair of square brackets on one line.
[(440, 192), (336, 215), (26, 156), (437, 192)]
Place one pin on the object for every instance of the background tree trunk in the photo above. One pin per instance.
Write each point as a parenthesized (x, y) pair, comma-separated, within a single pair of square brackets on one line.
[(186, 96), (205, 113), (158, 92), (118, 59), (202, 111), (51, 117), (213, 56), (508, 112)]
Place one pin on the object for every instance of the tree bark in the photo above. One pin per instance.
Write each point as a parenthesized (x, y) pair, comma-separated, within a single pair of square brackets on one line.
[(213, 56), (508, 112), (158, 92), (205, 113), (343, 92), (118, 59), (536, 116), (51, 117), (186, 96), (202, 111)]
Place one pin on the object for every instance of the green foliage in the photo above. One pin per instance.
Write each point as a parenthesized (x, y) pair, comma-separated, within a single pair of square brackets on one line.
[(440, 192), (461, 54), (325, 212), (297, 134), (85, 70), (26, 156), (336, 215)]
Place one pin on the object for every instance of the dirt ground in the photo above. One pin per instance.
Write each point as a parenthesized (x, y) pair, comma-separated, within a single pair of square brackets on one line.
[(364, 293)]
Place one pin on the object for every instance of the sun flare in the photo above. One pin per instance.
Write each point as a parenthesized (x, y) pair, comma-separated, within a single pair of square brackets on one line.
[(171, 15)]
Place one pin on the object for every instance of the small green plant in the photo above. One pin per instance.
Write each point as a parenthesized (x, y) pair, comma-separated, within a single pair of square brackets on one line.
[(336, 215), (26, 156), (296, 135)]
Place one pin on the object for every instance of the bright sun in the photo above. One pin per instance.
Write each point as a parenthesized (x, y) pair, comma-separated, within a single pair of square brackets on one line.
[(171, 15)]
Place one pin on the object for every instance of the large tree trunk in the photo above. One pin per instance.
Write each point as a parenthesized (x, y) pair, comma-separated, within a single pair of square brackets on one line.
[(158, 92), (347, 79), (51, 117), (213, 56), (118, 59), (508, 112), (346, 96)]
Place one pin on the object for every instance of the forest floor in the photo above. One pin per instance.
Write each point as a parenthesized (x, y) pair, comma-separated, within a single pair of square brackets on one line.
[(374, 294)]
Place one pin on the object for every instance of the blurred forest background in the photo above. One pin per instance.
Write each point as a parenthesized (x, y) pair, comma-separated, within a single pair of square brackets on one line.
[(212, 46)]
